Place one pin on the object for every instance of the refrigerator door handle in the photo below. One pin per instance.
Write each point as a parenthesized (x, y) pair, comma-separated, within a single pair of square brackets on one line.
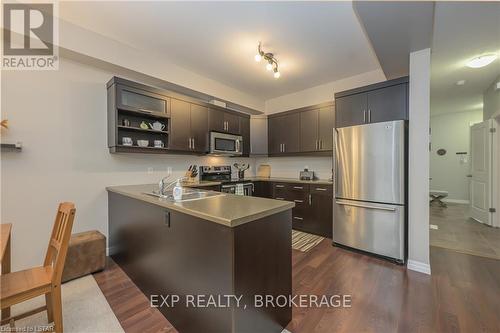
[(338, 202)]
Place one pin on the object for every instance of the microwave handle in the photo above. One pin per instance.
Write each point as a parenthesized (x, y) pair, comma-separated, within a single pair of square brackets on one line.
[(238, 146)]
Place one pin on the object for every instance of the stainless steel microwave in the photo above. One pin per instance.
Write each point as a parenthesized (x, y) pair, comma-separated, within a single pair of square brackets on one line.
[(226, 144)]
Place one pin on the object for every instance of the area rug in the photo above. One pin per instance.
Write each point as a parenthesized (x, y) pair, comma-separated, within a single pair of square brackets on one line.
[(84, 310), (303, 241)]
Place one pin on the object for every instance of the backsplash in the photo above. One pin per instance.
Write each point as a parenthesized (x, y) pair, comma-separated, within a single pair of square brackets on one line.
[(289, 167)]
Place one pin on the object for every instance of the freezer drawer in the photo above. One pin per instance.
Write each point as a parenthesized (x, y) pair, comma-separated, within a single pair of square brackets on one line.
[(369, 162), (375, 228)]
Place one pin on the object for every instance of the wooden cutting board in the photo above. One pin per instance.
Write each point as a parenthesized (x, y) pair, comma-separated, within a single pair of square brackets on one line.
[(264, 171)]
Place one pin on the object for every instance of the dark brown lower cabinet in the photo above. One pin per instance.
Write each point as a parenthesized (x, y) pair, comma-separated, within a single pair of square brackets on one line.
[(321, 207), (262, 189), (313, 210), (165, 253)]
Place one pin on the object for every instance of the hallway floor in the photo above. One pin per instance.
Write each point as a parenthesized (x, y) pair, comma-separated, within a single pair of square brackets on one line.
[(460, 233)]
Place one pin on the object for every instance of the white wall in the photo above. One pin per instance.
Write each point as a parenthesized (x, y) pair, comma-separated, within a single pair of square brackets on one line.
[(449, 172), (418, 177), (289, 167), (60, 116), (91, 44), (491, 99), (321, 93)]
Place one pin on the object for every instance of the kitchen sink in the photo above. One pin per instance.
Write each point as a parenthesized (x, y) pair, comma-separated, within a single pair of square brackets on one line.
[(187, 195)]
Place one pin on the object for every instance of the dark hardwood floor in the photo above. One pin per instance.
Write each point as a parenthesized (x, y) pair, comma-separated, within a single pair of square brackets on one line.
[(462, 295)]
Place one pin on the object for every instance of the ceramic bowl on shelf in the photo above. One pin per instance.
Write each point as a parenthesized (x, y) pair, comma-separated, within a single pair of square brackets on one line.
[(143, 143)]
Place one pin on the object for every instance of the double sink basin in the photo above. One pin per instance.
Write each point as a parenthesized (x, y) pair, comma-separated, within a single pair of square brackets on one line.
[(187, 195)]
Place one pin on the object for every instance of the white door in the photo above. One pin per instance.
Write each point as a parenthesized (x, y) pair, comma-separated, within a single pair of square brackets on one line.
[(481, 138)]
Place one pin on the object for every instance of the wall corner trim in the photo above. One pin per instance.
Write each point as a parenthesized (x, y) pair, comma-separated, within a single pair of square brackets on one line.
[(418, 266)]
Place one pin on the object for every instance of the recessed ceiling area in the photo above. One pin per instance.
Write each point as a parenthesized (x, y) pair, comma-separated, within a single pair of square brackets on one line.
[(462, 31), (315, 43)]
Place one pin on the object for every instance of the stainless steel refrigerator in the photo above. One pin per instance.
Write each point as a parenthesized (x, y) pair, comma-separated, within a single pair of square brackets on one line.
[(369, 204)]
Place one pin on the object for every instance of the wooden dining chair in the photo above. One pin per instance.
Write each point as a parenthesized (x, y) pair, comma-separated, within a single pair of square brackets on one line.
[(45, 280)]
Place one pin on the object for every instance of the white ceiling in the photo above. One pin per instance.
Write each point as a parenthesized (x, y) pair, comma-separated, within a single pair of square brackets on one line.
[(462, 31), (314, 42)]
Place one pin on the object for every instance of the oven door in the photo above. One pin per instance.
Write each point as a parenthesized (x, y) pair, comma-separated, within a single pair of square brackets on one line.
[(231, 188), (225, 144)]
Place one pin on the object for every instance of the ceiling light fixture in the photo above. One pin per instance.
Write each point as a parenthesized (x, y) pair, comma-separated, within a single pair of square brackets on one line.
[(272, 62), (481, 61)]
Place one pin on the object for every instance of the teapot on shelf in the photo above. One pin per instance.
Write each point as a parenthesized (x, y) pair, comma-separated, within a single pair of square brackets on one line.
[(157, 126)]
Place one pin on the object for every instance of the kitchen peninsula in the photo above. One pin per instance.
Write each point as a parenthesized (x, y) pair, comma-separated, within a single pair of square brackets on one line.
[(220, 245)]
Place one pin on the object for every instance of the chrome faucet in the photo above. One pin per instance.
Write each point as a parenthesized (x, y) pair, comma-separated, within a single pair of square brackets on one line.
[(163, 187)]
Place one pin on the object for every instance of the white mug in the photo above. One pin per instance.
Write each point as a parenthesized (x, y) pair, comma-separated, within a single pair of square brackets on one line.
[(159, 144), (143, 143), (127, 141)]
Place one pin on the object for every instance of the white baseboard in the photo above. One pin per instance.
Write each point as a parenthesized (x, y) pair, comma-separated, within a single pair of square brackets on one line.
[(458, 201), (418, 266)]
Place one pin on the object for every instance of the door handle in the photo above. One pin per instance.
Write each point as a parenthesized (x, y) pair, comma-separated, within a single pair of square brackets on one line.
[(364, 206), (167, 219)]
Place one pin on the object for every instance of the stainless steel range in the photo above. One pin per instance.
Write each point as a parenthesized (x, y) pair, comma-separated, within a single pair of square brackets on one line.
[(223, 174)]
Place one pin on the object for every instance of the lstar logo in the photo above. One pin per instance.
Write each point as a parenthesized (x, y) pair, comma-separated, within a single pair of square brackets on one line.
[(29, 36)]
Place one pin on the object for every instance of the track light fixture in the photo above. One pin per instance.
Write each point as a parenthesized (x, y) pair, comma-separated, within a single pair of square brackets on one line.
[(272, 63)]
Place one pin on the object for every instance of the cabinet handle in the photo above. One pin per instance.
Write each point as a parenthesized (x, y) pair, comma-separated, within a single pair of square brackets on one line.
[(279, 198), (310, 199), (280, 186), (146, 110), (298, 218), (189, 143), (284, 147), (193, 142), (298, 201), (320, 144), (317, 145), (320, 189), (298, 187), (369, 115), (167, 219), (364, 116)]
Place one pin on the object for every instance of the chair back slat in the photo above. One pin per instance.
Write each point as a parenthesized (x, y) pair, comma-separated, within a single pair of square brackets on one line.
[(59, 240)]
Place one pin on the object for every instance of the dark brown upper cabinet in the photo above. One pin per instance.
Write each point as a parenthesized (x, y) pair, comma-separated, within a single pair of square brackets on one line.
[(245, 133), (379, 102), (199, 128), (222, 121), (283, 134), (316, 129), (139, 100), (350, 110), (189, 127), (387, 104), (180, 117), (326, 125), (187, 121)]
